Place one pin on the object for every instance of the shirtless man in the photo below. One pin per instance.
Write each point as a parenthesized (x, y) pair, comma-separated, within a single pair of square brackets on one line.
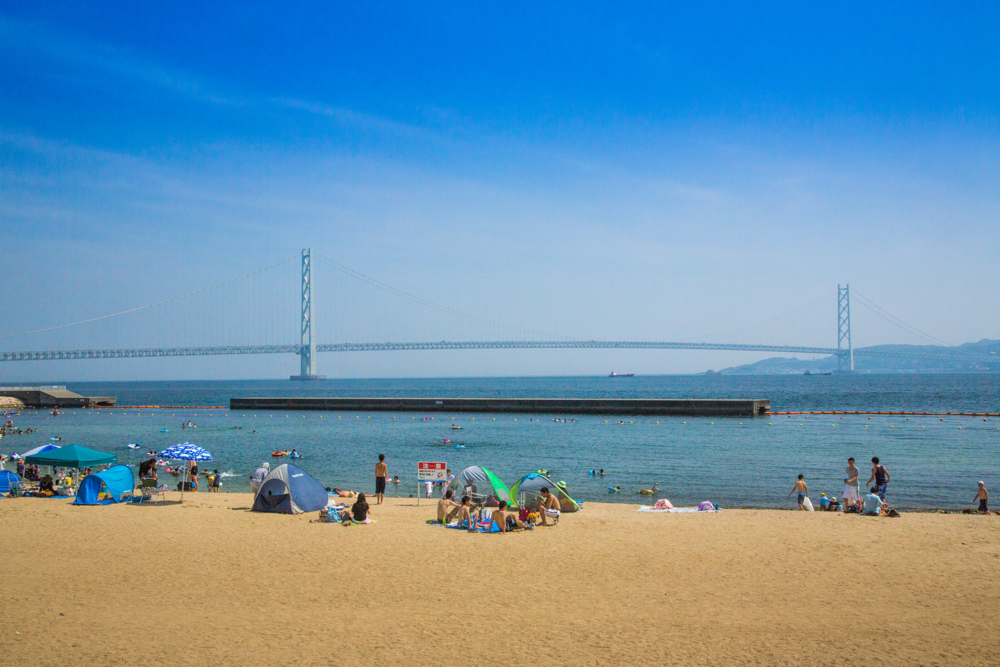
[(550, 507), (466, 513), (444, 505), (381, 474), (500, 516), (983, 496), (802, 489)]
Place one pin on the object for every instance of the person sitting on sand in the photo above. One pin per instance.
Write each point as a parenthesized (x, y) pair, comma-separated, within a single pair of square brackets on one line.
[(467, 513), (46, 486), (504, 520), (446, 504), (983, 496), (802, 489), (872, 503), (360, 509), (550, 507)]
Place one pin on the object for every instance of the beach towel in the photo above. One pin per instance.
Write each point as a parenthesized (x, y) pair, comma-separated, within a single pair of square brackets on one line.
[(676, 510), (488, 527)]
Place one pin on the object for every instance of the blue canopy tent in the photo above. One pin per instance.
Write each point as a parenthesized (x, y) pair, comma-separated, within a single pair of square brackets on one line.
[(8, 480), (116, 481)]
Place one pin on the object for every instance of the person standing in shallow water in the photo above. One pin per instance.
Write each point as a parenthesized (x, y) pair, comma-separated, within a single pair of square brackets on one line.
[(802, 489), (881, 477), (381, 475)]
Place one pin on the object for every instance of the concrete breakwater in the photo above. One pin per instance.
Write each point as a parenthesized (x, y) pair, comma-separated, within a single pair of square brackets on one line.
[(694, 407), (54, 396)]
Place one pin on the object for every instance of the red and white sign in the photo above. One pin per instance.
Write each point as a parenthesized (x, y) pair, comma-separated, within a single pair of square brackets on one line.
[(428, 471)]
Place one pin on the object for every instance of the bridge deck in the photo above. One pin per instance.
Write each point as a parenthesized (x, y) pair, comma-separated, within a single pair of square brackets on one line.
[(582, 406)]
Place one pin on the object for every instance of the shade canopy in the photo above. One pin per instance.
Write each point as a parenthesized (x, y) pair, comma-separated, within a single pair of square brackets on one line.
[(116, 482), (185, 451), (71, 456)]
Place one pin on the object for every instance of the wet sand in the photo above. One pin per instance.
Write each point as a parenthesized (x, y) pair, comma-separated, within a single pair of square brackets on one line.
[(209, 582)]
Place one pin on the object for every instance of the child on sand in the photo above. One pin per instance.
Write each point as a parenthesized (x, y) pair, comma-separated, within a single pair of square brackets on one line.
[(983, 496), (802, 489)]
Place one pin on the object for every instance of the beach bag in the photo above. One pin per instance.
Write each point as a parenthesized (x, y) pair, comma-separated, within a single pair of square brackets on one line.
[(522, 514), (807, 504)]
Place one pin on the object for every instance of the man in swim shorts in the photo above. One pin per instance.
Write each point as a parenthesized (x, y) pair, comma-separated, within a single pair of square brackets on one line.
[(444, 505), (852, 496), (381, 474), (802, 489), (466, 513), (550, 507), (983, 496), (505, 520), (881, 477)]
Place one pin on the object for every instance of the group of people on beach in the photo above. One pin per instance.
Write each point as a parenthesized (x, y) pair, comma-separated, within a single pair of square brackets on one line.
[(873, 502)]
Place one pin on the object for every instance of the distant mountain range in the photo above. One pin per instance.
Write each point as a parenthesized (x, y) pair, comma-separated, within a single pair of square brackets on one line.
[(981, 357)]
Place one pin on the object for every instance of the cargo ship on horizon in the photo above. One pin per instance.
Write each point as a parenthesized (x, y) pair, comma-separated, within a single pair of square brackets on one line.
[(621, 375)]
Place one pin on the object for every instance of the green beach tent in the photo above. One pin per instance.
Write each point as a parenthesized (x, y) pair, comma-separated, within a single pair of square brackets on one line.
[(482, 485), (72, 456), (529, 490)]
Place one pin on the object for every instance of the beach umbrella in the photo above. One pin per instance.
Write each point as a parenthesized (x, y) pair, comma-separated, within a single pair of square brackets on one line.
[(38, 450), (185, 451)]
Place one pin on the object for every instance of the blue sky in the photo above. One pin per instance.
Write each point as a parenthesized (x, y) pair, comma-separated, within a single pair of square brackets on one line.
[(613, 171)]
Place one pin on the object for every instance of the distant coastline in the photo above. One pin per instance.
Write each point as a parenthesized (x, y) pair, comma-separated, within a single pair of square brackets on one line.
[(981, 357)]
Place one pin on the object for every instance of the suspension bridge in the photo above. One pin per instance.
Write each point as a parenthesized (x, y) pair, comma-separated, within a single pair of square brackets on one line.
[(308, 347)]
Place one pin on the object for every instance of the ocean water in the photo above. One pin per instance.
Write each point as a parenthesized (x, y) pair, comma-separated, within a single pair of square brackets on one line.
[(736, 462)]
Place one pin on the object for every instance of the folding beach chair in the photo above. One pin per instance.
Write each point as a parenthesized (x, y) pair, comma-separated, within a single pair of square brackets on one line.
[(150, 490)]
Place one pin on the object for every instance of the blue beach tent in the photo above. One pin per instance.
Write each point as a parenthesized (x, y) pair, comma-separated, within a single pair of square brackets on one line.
[(8, 479), (117, 481), (290, 490)]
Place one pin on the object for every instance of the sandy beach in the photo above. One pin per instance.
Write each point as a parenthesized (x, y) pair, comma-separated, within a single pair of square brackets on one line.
[(208, 581)]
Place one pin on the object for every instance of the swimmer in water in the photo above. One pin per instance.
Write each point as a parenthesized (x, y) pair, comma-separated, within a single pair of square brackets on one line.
[(395, 480)]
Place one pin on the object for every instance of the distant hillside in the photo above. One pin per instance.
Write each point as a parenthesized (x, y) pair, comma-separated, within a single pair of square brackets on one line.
[(952, 361)]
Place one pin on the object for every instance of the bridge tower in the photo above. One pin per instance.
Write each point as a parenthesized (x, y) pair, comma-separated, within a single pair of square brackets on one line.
[(307, 353), (845, 357)]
